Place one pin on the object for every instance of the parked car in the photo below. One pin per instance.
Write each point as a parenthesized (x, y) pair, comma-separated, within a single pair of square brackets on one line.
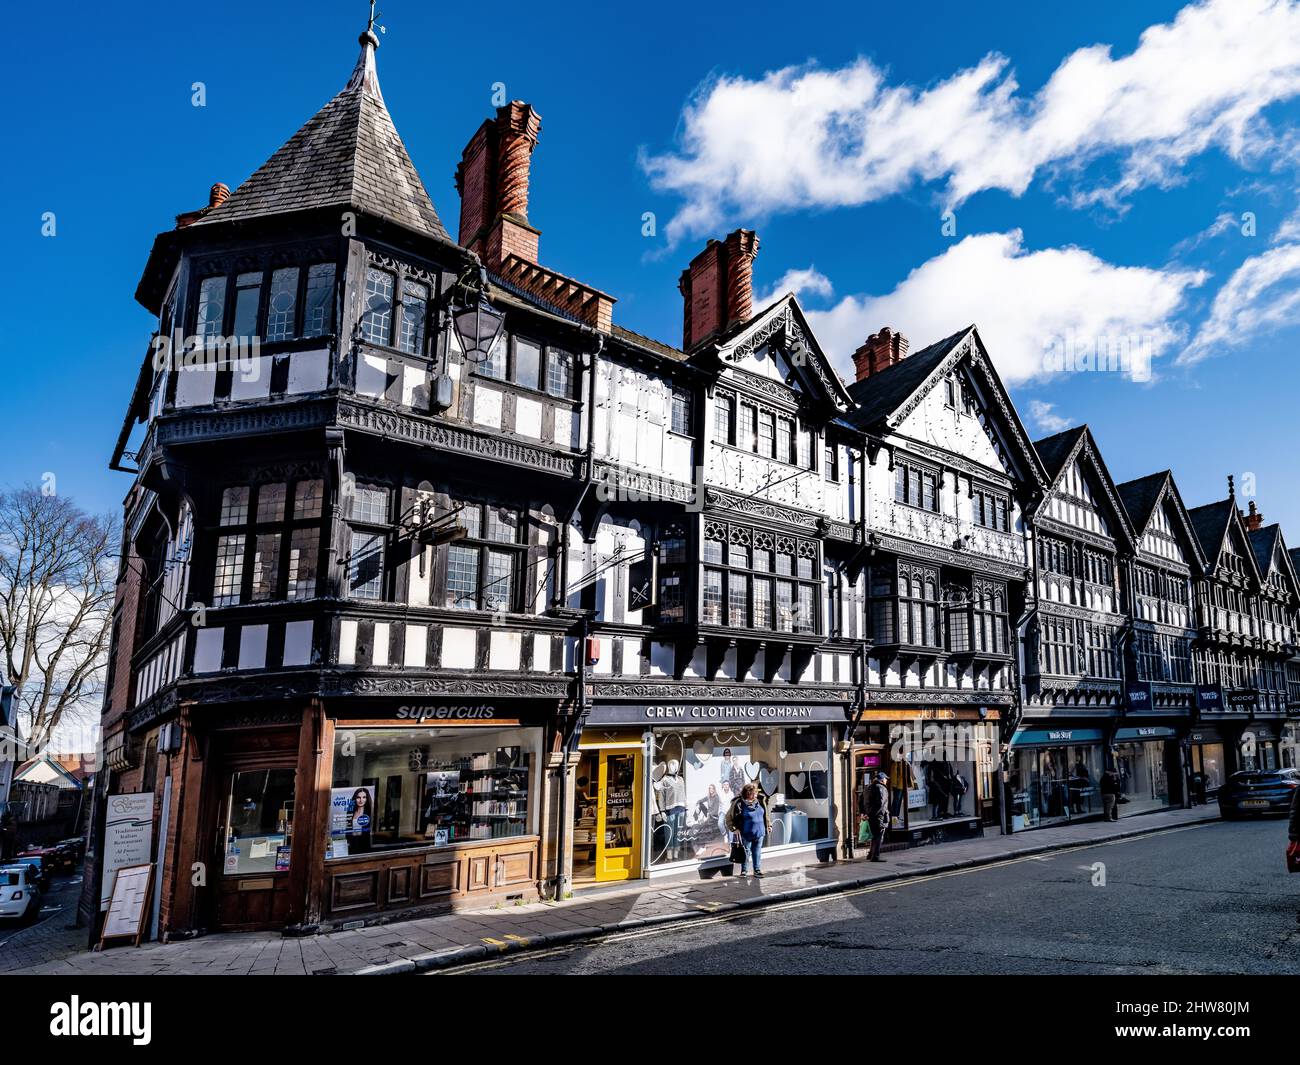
[(77, 847), (42, 870), (50, 853), (20, 896), (1254, 791)]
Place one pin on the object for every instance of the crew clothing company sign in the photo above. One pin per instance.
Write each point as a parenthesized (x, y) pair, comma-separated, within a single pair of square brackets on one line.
[(705, 713)]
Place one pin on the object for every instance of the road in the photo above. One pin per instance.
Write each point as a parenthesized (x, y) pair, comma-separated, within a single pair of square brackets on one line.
[(1207, 899), (51, 934)]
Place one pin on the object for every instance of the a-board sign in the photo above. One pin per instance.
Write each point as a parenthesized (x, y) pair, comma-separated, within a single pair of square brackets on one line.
[(128, 904)]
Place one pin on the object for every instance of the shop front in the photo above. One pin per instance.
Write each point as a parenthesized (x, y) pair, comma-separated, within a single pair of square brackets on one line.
[(1147, 760), (655, 783), (1288, 747), (942, 766), (1260, 745), (1053, 775), (431, 804), (1206, 762)]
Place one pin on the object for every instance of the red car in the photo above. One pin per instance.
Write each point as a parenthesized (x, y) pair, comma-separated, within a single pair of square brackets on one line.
[(55, 857)]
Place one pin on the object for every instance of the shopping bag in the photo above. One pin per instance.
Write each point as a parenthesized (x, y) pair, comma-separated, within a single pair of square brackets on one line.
[(1293, 857), (737, 852), (864, 830)]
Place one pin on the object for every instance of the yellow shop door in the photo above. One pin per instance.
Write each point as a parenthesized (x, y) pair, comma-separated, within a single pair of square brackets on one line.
[(618, 816)]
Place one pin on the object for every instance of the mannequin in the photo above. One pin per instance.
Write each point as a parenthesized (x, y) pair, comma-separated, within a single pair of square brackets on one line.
[(670, 794)]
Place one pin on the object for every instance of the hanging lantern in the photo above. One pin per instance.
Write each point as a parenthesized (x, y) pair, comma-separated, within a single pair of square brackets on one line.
[(478, 325)]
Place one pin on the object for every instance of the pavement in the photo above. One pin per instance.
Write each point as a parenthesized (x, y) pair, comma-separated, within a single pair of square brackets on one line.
[(466, 936), (1209, 901)]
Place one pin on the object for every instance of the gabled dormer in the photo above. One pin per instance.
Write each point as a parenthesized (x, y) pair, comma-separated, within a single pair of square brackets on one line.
[(1081, 497), (1161, 527)]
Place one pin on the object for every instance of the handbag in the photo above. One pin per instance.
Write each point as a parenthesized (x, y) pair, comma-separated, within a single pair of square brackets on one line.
[(737, 852), (1293, 857)]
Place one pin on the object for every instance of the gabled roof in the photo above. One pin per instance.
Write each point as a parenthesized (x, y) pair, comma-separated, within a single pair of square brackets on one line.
[(348, 156), (881, 394), (1263, 542), (1061, 450), (886, 398), (1140, 498), (1212, 522), (1055, 451), (786, 319)]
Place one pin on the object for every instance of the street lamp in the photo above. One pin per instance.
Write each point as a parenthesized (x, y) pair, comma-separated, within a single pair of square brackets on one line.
[(477, 323)]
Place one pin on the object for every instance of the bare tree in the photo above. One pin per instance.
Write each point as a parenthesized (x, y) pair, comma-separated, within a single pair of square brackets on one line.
[(57, 573)]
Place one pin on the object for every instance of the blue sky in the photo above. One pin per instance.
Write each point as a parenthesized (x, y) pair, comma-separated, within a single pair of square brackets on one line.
[(1113, 171)]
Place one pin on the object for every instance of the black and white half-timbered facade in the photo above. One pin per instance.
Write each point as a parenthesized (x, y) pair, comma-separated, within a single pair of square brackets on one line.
[(1073, 651), (1246, 607), (950, 476), (1159, 581), (438, 586)]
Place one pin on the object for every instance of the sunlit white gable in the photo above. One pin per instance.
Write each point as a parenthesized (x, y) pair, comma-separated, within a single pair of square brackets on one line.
[(1074, 503), (1159, 540), (947, 419)]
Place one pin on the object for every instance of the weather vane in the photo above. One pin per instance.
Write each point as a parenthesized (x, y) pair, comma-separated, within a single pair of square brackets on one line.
[(370, 26)]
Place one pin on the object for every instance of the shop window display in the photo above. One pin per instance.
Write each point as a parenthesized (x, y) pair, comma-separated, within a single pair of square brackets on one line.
[(696, 777), (1143, 776), (1050, 784), (396, 787)]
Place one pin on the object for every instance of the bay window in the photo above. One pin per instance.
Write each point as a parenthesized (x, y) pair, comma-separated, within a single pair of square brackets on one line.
[(268, 542)]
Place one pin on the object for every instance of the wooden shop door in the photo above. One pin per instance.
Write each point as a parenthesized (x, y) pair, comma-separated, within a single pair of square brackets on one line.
[(254, 844)]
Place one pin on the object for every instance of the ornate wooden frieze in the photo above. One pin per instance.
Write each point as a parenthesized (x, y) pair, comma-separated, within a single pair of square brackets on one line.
[(162, 705), (720, 499), (1059, 528), (414, 429), (474, 686), (622, 482), (937, 697), (253, 420), (1011, 570), (761, 387)]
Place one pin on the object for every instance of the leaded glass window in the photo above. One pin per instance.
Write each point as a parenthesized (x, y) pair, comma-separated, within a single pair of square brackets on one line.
[(282, 305), (377, 321)]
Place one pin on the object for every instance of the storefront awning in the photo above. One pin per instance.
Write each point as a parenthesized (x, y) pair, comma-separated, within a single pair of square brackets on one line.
[(1145, 732), (1055, 737)]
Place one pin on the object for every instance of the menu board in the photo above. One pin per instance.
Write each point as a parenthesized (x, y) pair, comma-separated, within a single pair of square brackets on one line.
[(127, 903)]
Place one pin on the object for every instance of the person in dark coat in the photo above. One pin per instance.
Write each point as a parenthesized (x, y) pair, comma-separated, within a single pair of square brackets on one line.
[(1110, 789), (1293, 833), (878, 814)]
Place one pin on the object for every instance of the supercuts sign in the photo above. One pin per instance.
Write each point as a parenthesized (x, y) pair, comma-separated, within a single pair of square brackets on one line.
[(711, 713), (416, 711)]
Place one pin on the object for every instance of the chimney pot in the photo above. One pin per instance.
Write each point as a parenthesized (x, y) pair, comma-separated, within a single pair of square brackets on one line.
[(718, 287), (218, 194), (879, 352), (1254, 519)]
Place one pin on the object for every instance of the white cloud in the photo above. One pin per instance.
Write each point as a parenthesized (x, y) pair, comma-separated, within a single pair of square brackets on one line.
[(1289, 231), (1026, 304), (1224, 222), (806, 282), (805, 137), (1047, 421), (1261, 296)]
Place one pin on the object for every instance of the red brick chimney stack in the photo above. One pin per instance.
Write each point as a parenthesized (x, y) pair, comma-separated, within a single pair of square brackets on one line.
[(880, 351), (718, 287), (1254, 519), (492, 180)]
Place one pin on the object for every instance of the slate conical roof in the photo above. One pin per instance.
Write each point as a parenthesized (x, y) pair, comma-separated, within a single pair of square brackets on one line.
[(348, 156)]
